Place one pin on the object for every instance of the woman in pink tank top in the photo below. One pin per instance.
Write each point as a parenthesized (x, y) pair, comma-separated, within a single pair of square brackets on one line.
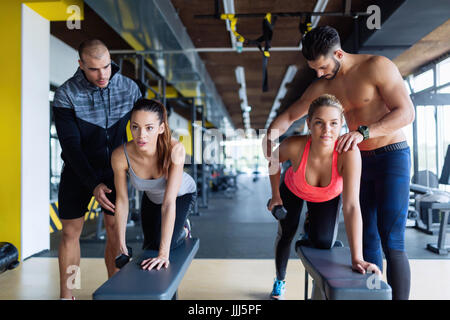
[(326, 180)]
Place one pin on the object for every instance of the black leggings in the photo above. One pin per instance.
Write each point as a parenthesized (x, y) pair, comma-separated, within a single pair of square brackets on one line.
[(321, 229), (151, 221)]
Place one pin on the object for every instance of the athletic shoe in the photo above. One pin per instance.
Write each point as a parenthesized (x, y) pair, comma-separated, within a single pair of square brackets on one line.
[(279, 288)]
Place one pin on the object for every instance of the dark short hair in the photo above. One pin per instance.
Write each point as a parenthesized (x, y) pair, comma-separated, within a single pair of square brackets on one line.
[(89, 43), (319, 42)]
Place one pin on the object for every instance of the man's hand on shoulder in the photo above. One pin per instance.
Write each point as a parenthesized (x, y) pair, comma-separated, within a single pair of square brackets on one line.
[(349, 141)]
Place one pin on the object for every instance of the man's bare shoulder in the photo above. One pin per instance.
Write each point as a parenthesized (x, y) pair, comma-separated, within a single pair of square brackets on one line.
[(373, 65)]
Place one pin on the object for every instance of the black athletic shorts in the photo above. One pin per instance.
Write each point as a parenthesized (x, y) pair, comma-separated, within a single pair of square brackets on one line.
[(74, 198)]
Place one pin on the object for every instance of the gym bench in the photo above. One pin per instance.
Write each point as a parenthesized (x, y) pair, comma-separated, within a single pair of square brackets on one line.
[(133, 283), (334, 279)]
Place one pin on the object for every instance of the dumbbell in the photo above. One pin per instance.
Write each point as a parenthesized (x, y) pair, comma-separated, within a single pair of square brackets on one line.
[(279, 212), (123, 258)]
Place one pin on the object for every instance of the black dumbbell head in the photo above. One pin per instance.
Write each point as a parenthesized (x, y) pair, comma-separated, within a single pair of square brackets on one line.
[(279, 212), (123, 259)]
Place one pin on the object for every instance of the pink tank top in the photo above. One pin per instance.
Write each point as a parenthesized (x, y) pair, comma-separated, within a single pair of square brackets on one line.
[(296, 181)]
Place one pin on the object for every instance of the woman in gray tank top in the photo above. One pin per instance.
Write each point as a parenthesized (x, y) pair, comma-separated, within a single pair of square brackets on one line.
[(153, 162)]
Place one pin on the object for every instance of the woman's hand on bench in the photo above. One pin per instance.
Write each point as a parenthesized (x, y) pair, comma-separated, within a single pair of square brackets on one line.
[(158, 262), (362, 266)]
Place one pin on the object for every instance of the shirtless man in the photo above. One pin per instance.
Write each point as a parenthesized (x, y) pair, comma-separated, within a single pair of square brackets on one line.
[(376, 108)]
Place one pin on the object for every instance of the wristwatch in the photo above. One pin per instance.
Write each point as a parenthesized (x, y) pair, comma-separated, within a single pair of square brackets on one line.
[(364, 130)]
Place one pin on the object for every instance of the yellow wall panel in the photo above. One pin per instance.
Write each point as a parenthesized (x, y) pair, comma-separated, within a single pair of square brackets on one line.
[(10, 129), (55, 10)]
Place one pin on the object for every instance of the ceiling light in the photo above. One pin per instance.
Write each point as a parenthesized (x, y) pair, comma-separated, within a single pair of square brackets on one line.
[(240, 77)]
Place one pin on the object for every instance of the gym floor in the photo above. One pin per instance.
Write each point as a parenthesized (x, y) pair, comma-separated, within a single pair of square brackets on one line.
[(237, 237)]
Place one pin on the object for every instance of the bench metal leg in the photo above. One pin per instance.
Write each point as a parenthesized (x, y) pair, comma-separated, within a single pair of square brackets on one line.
[(440, 247), (306, 285), (317, 293)]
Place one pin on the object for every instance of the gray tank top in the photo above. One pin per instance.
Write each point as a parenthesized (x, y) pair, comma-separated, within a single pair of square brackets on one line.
[(155, 188)]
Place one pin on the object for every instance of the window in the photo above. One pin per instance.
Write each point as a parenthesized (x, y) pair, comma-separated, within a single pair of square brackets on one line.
[(426, 138), (408, 131), (422, 81), (443, 72), (407, 86), (443, 118)]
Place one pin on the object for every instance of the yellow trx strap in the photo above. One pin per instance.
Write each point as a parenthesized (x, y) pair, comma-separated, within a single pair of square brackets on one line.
[(233, 22), (268, 17), (306, 26)]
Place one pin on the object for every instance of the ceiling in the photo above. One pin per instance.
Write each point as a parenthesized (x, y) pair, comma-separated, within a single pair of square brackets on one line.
[(430, 43), (433, 46), (212, 33)]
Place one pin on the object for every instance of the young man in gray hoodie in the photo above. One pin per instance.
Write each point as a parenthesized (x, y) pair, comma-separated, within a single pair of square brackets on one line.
[(91, 112)]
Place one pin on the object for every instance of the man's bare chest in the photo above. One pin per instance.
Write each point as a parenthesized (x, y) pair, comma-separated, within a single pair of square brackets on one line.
[(355, 93)]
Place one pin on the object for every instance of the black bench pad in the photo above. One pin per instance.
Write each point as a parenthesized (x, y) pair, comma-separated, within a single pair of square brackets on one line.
[(133, 283), (333, 275)]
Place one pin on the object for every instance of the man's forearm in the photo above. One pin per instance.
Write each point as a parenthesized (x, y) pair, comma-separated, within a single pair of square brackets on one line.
[(391, 122), (278, 127), (294, 112)]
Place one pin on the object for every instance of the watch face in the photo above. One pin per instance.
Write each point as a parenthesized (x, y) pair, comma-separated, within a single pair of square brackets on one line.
[(364, 130)]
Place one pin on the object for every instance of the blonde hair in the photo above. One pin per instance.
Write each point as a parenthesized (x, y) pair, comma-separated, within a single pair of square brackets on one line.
[(327, 100)]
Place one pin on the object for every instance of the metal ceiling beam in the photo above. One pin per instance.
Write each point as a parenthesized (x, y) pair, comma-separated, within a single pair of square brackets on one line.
[(288, 14), (431, 99), (218, 49)]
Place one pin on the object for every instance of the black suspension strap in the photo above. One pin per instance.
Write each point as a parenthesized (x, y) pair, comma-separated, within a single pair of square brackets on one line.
[(267, 26)]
